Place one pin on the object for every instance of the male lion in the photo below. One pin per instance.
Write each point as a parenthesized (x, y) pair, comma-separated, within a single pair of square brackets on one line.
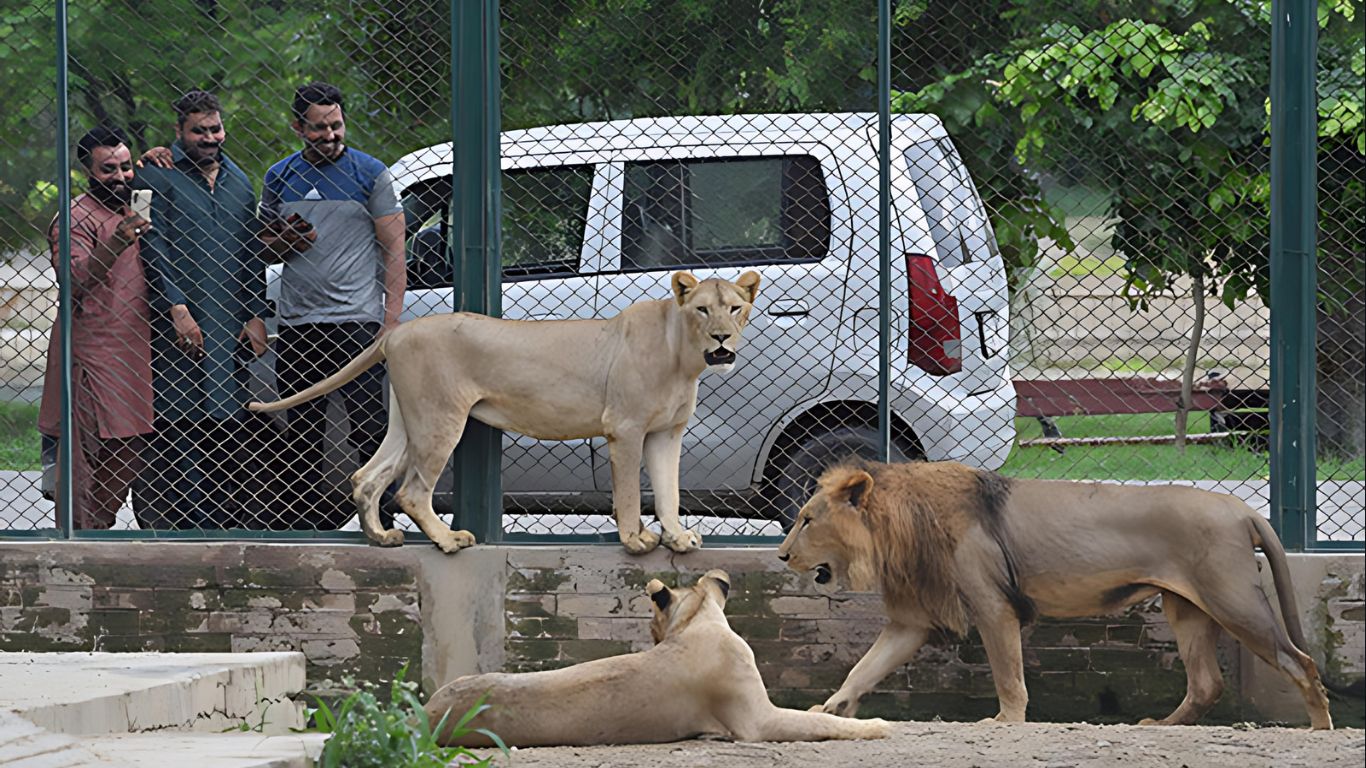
[(631, 378), (699, 679), (949, 545)]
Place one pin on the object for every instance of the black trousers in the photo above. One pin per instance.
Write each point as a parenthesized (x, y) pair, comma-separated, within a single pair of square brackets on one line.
[(315, 492), (190, 476)]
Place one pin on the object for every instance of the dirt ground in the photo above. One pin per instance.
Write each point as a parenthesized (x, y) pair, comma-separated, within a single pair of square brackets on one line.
[(969, 745)]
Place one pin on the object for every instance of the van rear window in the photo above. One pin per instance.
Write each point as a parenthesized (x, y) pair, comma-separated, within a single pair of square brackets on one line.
[(954, 212), (706, 213)]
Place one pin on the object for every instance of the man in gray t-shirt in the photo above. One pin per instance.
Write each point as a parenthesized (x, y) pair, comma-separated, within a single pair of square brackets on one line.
[(336, 297)]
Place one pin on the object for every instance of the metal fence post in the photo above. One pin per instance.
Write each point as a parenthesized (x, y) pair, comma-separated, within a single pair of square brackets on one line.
[(1294, 484), (65, 499), (474, 240), (884, 216)]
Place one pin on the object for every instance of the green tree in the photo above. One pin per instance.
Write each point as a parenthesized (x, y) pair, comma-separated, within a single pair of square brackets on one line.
[(1169, 99)]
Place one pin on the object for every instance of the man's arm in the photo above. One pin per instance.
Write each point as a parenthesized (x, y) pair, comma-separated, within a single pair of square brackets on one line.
[(389, 233), (163, 275), (279, 237)]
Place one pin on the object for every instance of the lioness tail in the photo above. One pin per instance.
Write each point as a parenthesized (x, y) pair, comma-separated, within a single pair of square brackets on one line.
[(1280, 574), (372, 355)]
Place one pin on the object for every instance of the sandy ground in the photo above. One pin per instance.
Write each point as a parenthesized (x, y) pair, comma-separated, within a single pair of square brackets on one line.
[(967, 745)]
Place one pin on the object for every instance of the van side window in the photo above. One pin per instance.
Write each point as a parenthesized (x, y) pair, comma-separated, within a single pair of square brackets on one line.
[(544, 214), (707, 213)]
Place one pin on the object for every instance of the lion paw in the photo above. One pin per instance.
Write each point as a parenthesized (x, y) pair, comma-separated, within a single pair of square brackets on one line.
[(687, 542), (1150, 721), (641, 543), (390, 538), (455, 541), (875, 728), (838, 705)]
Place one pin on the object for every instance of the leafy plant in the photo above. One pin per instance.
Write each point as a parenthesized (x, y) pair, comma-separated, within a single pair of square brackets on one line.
[(369, 733)]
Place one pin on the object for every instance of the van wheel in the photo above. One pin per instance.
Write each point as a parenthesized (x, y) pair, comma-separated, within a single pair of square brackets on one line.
[(796, 479)]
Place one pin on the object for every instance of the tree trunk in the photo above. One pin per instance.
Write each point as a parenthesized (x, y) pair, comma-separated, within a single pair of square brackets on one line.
[(1341, 410), (1192, 357)]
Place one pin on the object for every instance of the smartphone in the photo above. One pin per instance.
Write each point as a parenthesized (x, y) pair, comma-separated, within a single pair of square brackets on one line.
[(142, 204)]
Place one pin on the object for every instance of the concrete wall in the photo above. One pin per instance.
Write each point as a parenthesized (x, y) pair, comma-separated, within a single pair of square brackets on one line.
[(365, 612)]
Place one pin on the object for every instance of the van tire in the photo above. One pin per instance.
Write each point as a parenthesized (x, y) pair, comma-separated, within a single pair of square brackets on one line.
[(796, 478)]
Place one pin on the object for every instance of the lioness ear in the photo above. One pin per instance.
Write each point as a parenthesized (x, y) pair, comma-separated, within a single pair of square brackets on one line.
[(722, 580), (857, 486), (659, 593), (725, 588), (749, 284), (684, 282)]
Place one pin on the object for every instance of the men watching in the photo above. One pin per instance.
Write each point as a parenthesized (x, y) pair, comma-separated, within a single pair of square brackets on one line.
[(111, 368), (208, 295), (337, 296)]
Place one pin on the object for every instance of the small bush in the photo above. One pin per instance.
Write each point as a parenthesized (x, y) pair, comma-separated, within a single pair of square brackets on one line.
[(368, 733)]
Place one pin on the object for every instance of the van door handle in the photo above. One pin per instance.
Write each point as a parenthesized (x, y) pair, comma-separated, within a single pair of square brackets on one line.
[(788, 308)]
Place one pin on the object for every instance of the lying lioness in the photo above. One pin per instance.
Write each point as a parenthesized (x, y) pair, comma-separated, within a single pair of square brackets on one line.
[(949, 545), (631, 378), (698, 680)]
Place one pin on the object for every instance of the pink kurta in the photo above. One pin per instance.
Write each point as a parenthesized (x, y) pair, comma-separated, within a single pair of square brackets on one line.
[(111, 331)]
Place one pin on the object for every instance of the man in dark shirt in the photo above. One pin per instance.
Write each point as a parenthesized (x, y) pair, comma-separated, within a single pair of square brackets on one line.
[(208, 299)]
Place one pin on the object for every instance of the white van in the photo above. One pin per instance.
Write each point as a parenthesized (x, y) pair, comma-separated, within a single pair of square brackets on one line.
[(598, 215)]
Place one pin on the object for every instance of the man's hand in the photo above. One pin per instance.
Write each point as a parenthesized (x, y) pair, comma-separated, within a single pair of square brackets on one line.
[(255, 333), (293, 234), (188, 336), (389, 324), (157, 157), (128, 232)]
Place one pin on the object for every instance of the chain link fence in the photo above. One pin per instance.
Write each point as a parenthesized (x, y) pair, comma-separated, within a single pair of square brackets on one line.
[(1078, 222)]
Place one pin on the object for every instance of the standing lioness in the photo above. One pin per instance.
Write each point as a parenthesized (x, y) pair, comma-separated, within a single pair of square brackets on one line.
[(631, 378), (699, 679), (949, 545)]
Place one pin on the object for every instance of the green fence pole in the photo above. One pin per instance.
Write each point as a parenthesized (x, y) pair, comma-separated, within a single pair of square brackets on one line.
[(1294, 218), (884, 218), (64, 448), (476, 212)]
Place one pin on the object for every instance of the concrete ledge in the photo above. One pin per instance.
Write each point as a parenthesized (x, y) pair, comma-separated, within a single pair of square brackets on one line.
[(224, 750), (115, 693)]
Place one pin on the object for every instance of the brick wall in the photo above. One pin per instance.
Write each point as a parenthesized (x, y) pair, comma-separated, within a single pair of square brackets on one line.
[(365, 611), (562, 610), (350, 610)]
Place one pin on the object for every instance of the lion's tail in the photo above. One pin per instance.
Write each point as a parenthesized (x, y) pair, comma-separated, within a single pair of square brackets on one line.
[(1280, 573), (372, 355)]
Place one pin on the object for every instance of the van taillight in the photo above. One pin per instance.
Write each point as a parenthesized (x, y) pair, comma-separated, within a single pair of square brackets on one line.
[(935, 338)]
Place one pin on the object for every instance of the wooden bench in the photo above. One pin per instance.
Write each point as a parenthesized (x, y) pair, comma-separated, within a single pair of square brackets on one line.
[(1046, 399)]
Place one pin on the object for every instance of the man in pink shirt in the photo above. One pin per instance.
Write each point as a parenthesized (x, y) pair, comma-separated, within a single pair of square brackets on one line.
[(111, 354)]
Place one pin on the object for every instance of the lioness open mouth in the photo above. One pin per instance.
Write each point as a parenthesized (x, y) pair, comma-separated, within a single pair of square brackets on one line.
[(721, 356), (823, 574)]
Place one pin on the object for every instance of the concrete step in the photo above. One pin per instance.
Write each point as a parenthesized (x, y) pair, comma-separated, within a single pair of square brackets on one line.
[(118, 693), (25, 745)]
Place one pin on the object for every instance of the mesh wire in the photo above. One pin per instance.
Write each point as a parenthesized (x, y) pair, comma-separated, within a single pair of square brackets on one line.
[(1091, 186)]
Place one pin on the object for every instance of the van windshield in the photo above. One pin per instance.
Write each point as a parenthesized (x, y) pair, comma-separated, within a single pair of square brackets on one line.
[(953, 211)]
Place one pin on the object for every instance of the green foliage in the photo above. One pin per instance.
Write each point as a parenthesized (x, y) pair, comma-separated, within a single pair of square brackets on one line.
[(370, 733), (19, 439)]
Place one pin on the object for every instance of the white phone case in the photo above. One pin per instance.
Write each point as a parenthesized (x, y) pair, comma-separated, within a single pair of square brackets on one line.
[(142, 204)]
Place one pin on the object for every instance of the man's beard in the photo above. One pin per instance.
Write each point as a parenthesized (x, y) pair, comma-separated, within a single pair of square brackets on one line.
[(112, 196), (199, 158), (328, 151)]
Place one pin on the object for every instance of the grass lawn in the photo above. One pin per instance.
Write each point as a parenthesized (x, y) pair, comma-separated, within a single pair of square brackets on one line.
[(1147, 462), (19, 441), (19, 450)]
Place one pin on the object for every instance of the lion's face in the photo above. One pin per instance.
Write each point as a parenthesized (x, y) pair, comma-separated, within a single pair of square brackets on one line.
[(830, 539), (715, 312), (674, 609)]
